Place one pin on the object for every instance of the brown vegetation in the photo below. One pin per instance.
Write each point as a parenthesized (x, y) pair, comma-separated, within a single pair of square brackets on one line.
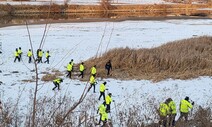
[(106, 8), (50, 112), (52, 76), (182, 59)]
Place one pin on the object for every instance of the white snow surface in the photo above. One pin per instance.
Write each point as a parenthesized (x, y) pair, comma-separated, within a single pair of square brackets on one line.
[(80, 41)]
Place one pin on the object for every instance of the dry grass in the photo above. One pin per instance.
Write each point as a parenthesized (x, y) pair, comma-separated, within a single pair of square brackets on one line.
[(182, 59), (51, 76), (106, 9)]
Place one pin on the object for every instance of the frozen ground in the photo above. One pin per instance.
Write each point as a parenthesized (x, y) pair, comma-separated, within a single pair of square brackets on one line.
[(80, 41)]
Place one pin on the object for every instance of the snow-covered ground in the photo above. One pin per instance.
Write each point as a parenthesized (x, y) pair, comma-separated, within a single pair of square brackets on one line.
[(80, 41)]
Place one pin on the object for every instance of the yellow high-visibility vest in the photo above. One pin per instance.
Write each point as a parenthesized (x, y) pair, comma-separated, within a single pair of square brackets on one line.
[(19, 51), (47, 55), (29, 53), (92, 79), (104, 116), (16, 53), (172, 107), (164, 109), (93, 70), (40, 53), (82, 68), (108, 99), (102, 87), (69, 67), (102, 108), (57, 80), (184, 106)]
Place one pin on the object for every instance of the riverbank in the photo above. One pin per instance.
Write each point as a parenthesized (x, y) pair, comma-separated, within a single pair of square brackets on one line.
[(15, 21), (108, 10)]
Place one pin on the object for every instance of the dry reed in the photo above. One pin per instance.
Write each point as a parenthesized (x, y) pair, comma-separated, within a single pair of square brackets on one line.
[(184, 59)]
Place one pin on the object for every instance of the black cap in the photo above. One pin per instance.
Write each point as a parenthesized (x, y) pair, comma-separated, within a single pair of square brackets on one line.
[(186, 98)]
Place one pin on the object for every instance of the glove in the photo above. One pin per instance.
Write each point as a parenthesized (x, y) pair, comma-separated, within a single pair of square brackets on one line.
[(192, 103), (113, 100)]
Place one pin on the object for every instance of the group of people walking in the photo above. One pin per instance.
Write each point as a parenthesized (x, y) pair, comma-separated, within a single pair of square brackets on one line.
[(104, 108), (168, 111), (18, 55)]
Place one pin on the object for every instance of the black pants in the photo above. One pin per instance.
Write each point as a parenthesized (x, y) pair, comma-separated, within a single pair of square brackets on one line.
[(102, 94), (104, 123), (40, 60), (81, 74), (172, 119), (108, 108), (163, 121), (56, 86), (100, 119), (17, 57), (94, 75), (47, 60), (94, 87), (20, 56), (185, 115), (30, 59), (108, 72), (69, 74)]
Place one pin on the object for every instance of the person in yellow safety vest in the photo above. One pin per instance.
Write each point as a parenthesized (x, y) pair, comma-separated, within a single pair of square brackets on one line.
[(70, 68), (40, 55), (184, 108), (47, 57), (19, 52), (102, 90), (164, 112), (172, 111), (29, 54), (108, 100), (93, 71), (81, 69), (16, 55), (101, 110), (57, 82), (92, 83), (104, 119)]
